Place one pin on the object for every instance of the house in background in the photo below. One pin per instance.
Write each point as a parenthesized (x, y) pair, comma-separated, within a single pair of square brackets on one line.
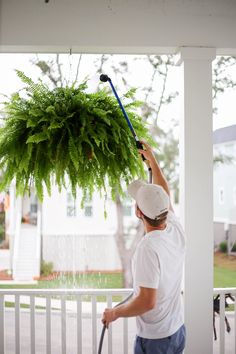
[(224, 140), (61, 232)]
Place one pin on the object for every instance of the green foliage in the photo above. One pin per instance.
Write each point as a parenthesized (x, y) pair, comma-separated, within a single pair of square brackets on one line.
[(51, 134), (2, 232), (224, 278), (2, 226), (223, 247), (46, 268)]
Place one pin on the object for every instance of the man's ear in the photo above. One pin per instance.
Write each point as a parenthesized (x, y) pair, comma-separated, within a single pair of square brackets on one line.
[(139, 213)]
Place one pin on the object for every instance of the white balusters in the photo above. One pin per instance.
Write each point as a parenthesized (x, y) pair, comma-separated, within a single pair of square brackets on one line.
[(109, 305), (222, 323), (17, 324), (94, 323), (45, 299), (32, 323), (48, 324), (125, 335), (2, 336), (63, 325), (79, 325)]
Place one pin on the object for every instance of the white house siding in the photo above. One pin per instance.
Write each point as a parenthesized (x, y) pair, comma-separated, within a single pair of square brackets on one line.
[(77, 243), (219, 233), (4, 259), (81, 253), (225, 193), (56, 222), (224, 187)]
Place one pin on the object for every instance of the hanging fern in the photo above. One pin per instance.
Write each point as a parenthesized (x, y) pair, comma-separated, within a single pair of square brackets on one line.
[(51, 134)]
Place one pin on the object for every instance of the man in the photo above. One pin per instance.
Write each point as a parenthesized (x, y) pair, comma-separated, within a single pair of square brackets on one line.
[(157, 268)]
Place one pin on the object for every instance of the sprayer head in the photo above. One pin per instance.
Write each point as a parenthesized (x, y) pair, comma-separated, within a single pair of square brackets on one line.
[(104, 78)]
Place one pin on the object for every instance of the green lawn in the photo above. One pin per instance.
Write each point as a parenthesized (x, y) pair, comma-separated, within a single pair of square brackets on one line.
[(81, 281), (224, 278), (224, 270)]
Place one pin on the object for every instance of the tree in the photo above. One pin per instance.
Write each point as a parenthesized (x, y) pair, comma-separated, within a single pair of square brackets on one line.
[(221, 77), (222, 81)]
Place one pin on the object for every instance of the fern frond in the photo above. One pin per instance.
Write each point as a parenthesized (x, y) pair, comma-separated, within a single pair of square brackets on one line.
[(49, 134)]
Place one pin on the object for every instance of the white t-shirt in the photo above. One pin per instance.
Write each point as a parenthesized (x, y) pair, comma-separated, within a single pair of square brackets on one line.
[(158, 263)]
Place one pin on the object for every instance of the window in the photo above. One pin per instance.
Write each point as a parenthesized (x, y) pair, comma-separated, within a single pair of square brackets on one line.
[(71, 207), (71, 211), (33, 208), (33, 203), (221, 196), (88, 208)]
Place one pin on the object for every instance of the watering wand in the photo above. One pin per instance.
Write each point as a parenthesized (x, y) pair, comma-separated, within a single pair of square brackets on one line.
[(105, 78)]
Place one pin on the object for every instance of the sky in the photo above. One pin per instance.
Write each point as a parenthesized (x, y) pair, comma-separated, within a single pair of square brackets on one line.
[(139, 76)]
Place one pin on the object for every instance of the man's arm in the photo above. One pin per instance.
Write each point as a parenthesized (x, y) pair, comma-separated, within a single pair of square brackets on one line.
[(157, 174), (143, 302)]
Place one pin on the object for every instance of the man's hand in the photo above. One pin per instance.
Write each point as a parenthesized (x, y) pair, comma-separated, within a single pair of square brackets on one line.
[(147, 152), (109, 315)]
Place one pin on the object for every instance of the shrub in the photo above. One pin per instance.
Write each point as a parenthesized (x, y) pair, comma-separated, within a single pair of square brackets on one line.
[(223, 247), (46, 268), (2, 226), (2, 232)]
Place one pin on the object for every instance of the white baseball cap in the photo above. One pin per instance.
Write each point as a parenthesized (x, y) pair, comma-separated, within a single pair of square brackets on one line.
[(151, 199)]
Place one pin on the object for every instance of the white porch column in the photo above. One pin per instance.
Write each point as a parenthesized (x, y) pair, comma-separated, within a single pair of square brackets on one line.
[(196, 196)]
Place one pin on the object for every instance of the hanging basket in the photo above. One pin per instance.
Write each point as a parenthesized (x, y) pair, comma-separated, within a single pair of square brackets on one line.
[(50, 134)]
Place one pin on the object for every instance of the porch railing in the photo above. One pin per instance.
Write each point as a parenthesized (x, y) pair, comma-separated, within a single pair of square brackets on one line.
[(221, 346), (56, 305), (45, 318)]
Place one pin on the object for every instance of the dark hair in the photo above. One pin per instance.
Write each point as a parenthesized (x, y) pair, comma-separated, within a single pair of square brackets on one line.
[(156, 223)]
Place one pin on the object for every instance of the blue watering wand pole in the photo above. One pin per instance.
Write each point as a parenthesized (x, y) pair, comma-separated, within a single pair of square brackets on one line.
[(105, 78)]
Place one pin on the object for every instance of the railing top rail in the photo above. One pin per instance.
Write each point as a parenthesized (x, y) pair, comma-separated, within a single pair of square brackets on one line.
[(65, 292), (217, 291), (97, 292)]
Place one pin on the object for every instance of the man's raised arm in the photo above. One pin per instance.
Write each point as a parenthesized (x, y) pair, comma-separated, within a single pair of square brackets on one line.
[(157, 174)]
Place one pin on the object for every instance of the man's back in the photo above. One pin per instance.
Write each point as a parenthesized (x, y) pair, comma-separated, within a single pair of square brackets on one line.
[(158, 263)]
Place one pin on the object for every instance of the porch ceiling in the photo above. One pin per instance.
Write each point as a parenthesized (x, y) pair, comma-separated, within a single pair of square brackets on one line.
[(117, 26)]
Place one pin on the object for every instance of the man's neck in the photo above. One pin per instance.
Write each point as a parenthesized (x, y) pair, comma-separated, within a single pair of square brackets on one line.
[(149, 228)]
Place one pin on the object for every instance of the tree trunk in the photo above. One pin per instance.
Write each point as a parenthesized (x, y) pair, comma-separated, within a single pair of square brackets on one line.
[(124, 253), (127, 274)]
